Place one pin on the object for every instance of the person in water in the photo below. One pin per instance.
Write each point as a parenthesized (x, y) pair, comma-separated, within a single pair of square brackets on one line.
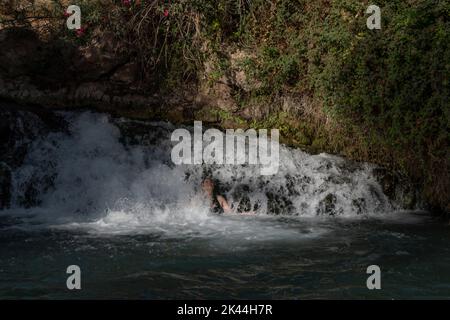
[(218, 203)]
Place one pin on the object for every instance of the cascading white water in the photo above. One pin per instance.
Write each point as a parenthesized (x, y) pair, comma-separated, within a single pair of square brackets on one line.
[(107, 173)]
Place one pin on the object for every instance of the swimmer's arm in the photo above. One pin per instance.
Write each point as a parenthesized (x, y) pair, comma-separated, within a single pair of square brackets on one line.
[(224, 204), (227, 208)]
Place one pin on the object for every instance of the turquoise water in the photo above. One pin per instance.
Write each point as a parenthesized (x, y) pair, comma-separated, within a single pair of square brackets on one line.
[(261, 258)]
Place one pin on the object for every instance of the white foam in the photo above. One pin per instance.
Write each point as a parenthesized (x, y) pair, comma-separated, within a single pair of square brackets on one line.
[(103, 185)]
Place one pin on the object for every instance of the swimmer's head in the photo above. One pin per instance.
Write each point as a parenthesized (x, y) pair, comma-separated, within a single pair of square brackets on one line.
[(208, 185)]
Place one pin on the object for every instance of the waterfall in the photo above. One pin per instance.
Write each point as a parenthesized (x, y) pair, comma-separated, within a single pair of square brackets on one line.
[(101, 167)]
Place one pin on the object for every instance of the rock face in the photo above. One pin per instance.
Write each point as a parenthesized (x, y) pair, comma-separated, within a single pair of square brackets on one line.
[(19, 127), (5, 185), (216, 89), (18, 46), (58, 75), (98, 58), (239, 76), (126, 74), (220, 88), (398, 189)]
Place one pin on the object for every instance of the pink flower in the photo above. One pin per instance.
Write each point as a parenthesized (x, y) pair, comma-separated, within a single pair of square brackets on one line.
[(126, 2), (166, 12), (80, 32), (66, 14)]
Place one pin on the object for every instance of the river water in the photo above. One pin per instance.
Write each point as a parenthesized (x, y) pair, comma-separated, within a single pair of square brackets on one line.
[(105, 196)]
